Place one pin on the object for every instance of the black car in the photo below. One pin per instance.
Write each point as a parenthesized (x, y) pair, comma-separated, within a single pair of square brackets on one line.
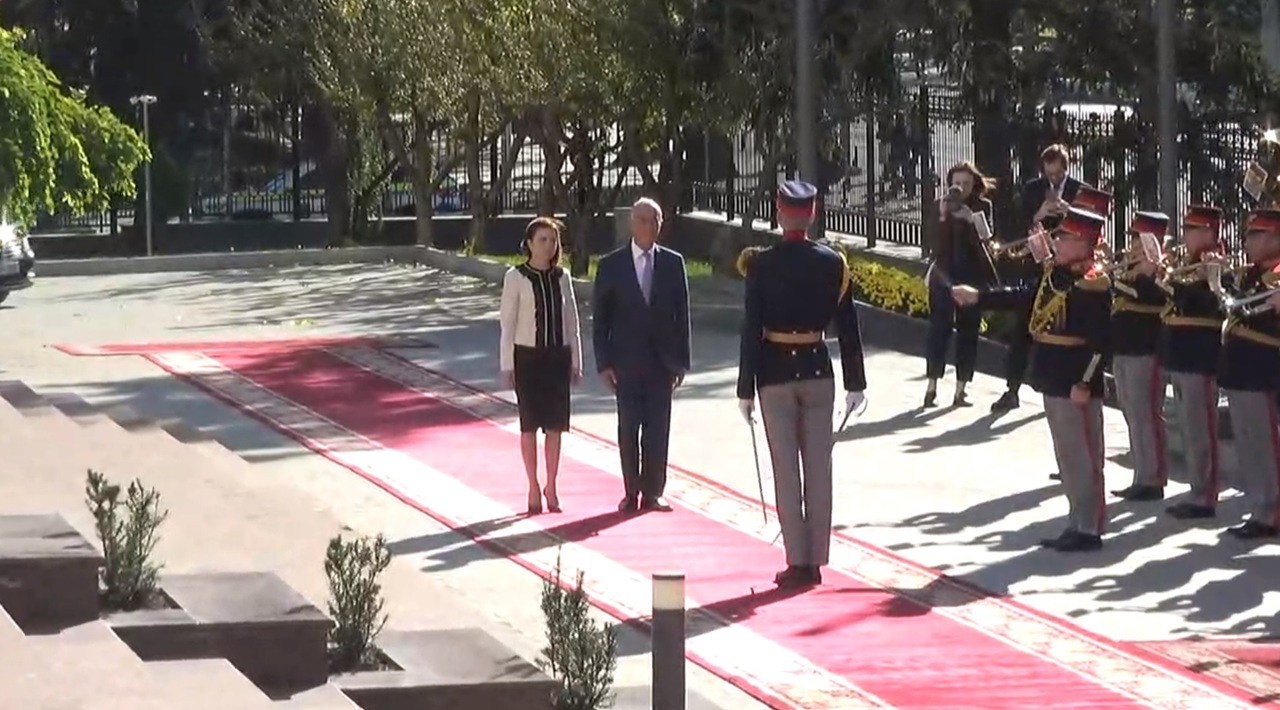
[(16, 261)]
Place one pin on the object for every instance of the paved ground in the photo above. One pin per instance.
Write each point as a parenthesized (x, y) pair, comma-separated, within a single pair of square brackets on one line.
[(954, 489)]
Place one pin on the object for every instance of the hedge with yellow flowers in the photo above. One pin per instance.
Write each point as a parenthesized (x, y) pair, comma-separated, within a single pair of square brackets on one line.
[(901, 291), (895, 289)]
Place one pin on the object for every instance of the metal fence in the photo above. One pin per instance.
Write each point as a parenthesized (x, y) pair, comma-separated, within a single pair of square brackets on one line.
[(882, 172)]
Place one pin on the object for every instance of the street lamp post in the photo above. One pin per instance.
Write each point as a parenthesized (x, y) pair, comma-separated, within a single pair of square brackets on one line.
[(805, 118), (145, 100), (1166, 17)]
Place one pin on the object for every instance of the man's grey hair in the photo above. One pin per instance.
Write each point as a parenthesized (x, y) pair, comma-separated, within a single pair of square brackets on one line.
[(651, 204)]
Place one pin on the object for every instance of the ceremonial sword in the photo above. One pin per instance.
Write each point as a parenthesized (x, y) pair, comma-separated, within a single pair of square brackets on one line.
[(755, 451)]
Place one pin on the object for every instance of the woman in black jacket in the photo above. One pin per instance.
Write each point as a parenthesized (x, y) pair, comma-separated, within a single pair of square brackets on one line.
[(960, 258)]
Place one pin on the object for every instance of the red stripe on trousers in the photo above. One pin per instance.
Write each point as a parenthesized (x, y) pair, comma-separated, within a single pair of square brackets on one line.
[(1156, 402), (1274, 422), (1211, 402), (1095, 469)]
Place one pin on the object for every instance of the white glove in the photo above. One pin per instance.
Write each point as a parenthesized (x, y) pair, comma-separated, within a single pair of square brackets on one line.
[(855, 403), (748, 409)]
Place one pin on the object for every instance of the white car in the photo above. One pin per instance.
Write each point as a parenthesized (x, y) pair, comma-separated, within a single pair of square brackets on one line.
[(17, 260)]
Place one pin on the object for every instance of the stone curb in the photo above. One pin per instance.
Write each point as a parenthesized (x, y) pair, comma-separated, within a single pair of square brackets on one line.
[(225, 260)]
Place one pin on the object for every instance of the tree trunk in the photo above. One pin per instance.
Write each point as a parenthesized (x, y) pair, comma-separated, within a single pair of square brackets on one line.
[(475, 181), (333, 161)]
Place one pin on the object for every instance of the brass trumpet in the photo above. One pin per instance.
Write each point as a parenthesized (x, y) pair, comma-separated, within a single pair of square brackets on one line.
[(1035, 245)]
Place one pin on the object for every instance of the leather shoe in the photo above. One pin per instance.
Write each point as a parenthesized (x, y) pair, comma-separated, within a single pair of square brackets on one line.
[(1140, 493), (656, 504), (1253, 530), (628, 505), (797, 577), (1007, 402), (1190, 511), (1074, 541)]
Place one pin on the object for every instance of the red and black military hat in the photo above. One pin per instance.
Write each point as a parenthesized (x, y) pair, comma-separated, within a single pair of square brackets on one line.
[(1156, 223), (1082, 223), (797, 198), (1266, 220), (1092, 199), (1203, 216)]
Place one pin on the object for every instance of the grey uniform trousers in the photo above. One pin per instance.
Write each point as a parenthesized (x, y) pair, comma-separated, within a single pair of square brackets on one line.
[(1076, 431), (1257, 436), (1140, 390), (797, 424), (1197, 399)]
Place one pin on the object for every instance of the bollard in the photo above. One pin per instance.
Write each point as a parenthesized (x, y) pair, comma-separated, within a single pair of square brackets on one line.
[(668, 641)]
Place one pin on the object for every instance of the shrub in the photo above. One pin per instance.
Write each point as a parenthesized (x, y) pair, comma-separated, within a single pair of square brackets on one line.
[(580, 654), (130, 579), (355, 600)]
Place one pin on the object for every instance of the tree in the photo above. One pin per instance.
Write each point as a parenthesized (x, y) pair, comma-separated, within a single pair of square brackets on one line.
[(55, 149)]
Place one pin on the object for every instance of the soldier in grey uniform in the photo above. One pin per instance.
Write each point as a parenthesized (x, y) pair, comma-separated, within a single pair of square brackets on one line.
[(794, 290)]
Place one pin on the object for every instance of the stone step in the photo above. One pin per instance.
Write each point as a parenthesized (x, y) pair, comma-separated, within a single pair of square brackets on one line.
[(121, 681), (25, 680), (210, 683), (204, 533), (326, 697)]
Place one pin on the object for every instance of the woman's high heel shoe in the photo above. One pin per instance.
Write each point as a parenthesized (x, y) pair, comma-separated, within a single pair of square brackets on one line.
[(535, 502), (553, 500)]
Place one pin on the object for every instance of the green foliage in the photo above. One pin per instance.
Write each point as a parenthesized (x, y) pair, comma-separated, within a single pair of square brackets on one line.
[(129, 577), (56, 151), (901, 291), (581, 654), (355, 600)]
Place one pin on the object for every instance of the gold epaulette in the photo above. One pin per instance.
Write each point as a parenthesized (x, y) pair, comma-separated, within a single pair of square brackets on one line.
[(745, 257), (846, 282), (1094, 281)]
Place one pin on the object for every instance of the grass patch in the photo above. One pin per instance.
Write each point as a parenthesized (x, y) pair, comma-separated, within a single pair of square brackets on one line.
[(695, 268)]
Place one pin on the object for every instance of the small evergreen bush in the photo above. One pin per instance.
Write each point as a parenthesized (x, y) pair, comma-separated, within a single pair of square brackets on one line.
[(130, 578), (581, 654), (355, 601)]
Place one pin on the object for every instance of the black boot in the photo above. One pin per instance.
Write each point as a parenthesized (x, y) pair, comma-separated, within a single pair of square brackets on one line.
[(1008, 402)]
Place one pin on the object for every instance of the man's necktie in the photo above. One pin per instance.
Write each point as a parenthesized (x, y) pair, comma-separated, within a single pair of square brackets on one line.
[(646, 274)]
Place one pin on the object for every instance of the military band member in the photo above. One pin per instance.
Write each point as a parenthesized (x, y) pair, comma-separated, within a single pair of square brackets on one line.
[(794, 290), (1249, 375), (1190, 342), (1070, 324), (1137, 306)]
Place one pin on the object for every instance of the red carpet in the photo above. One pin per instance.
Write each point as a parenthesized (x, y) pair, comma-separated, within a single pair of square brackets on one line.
[(882, 633), (1251, 665)]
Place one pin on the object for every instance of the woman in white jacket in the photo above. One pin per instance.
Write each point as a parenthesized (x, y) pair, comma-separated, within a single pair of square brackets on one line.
[(541, 351)]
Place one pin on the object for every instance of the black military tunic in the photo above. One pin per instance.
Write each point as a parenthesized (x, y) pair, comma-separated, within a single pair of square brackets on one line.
[(1191, 338), (1069, 327), (1250, 356), (795, 288), (1136, 309)]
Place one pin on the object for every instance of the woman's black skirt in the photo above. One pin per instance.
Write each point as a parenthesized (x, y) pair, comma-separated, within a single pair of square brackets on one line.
[(543, 377)]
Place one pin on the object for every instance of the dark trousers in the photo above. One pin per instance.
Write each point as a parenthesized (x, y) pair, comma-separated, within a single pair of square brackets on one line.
[(1018, 355), (644, 431), (944, 317)]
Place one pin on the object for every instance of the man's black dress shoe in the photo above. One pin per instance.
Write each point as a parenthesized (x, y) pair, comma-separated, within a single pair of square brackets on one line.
[(1253, 530), (1007, 402), (1074, 541), (1140, 493), (1190, 511), (656, 504), (796, 577), (629, 505)]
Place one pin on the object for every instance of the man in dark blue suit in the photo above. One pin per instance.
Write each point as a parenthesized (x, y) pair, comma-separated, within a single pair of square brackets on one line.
[(1044, 201), (640, 324)]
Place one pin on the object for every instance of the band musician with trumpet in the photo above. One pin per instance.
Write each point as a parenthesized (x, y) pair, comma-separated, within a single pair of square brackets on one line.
[(1044, 202), (1137, 306), (1069, 327), (1249, 373), (1189, 351)]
